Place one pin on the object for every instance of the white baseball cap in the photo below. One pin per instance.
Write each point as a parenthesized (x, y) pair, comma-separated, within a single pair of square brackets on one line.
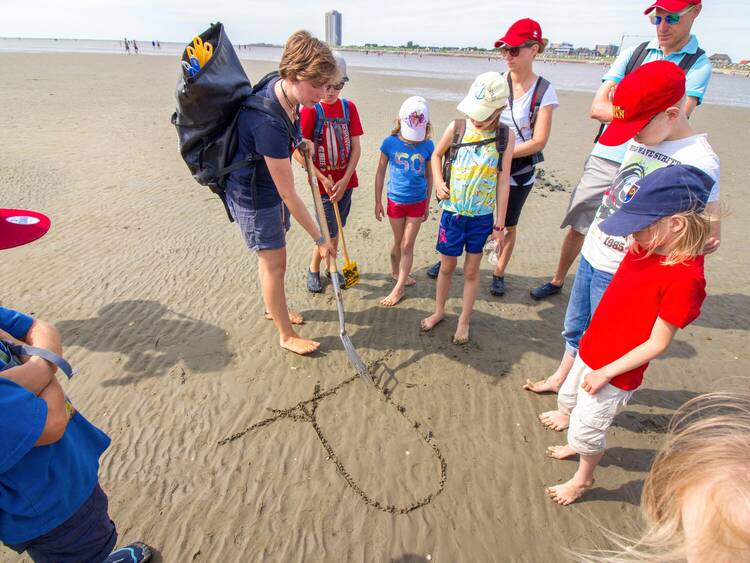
[(414, 116), (341, 63), (487, 94)]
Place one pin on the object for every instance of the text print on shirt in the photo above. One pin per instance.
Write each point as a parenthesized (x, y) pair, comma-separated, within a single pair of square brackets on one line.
[(403, 160)]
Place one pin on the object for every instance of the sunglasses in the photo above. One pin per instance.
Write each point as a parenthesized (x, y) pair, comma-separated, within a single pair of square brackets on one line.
[(670, 19), (513, 51), (336, 87)]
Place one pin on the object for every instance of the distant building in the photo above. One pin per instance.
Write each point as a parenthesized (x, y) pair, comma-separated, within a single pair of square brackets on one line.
[(562, 48), (607, 50), (333, 28), (720, 59), (585, 52), (744, 62)]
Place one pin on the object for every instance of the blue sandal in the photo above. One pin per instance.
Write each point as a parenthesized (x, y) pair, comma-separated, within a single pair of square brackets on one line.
[(546, 290), (314, 284), (434, 270), (137, 552), (498, 286)]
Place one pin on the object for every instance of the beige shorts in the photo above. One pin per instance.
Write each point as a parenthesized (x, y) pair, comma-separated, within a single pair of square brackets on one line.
[(590, 415), (598, 175)]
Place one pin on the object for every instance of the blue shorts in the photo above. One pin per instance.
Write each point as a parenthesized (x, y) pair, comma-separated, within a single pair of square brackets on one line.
[(345, 206), (264, 228), (459, 231), (88, 535)]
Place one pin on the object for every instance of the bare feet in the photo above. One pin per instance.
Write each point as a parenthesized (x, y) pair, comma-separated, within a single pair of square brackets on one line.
[(409, 281), (555, 420), (549, 385), (560, 452), (430, 322), (393, 297), (294, 317), (299, 345), (462, 333), (569, 492)]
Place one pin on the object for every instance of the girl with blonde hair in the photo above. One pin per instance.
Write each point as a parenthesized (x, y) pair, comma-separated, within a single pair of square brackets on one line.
[(659, 288)]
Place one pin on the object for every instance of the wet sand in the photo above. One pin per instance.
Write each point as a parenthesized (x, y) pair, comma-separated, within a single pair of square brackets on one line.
[(158, 302)]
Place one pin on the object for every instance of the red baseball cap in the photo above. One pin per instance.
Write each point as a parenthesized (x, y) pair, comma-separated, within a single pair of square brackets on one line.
[(21, 226), (645, 92), (520, 32), (671, 6)]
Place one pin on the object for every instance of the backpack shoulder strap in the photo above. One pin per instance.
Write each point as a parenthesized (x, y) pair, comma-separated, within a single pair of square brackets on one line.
[(272, 108), (688, 60), (637, 58), (501, 142), (540, 89), (345, 106), (459, 128), (320, 119)]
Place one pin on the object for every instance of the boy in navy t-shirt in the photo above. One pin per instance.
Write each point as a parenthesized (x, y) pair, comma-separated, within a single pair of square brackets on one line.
[(51, 504)]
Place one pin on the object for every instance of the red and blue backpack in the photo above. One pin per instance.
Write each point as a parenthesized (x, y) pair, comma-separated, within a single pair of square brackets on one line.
[(338, 128)]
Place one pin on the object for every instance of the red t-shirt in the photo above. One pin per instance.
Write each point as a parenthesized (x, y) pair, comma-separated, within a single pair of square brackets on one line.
[(641, 290), (328, 159)]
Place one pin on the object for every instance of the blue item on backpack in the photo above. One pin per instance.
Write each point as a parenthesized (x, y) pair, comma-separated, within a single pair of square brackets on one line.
[(10, 356)]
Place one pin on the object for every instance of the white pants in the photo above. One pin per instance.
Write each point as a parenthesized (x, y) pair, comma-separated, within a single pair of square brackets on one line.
[(590, 415)]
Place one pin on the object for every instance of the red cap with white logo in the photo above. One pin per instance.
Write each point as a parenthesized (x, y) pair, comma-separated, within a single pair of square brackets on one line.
[(521, 32), (672, 6)]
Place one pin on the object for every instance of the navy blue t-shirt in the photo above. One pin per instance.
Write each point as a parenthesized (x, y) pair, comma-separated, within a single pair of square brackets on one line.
[(40, 487), (262, 134)]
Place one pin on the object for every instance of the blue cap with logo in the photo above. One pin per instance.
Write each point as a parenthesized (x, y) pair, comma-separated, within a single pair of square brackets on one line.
[(664, 192)]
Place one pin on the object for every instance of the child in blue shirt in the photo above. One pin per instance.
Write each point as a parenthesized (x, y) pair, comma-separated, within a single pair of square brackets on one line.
[(51, 504), (406, 153)]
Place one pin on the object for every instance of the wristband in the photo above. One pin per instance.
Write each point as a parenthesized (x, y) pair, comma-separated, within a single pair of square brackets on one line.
[(496, 228), (320, 241)]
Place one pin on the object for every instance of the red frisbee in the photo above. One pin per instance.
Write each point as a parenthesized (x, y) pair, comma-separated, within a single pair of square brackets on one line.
[(21, 226)]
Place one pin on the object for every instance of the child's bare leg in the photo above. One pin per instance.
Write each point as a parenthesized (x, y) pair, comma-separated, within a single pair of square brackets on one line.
[(397, 226), (471, 287), (554, 381), (572, 490), (411, 230), (443, 286)]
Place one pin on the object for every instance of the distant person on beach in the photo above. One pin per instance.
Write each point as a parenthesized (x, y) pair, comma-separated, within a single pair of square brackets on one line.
[(471, 166), (531, 102), (696, 497), (262, 197), (334, 128), (158, 45), (127, 46), (673, 20), (405, 154), (658, 289), (135, 47)]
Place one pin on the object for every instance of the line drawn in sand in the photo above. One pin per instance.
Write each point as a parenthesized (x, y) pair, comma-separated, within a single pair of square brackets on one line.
[(306, 411)]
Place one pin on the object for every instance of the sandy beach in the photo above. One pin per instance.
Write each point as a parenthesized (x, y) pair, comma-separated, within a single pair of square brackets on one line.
[(158, 302)]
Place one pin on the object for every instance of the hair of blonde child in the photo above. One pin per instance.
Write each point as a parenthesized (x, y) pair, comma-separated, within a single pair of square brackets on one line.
[(397, 129), (685, 244), (306, 58), (707, 450)]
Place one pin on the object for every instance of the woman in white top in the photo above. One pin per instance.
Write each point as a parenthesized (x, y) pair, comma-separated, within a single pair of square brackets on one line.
[(529, 116)]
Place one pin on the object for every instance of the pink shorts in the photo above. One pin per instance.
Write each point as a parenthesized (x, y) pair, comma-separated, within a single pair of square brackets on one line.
[(401, 210)]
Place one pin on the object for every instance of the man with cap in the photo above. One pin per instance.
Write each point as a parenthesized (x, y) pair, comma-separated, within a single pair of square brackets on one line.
[(51, 504), (674, 42), (658, 289), (648, 106)]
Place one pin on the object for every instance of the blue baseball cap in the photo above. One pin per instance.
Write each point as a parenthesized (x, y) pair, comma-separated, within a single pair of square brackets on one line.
[(664, 192)]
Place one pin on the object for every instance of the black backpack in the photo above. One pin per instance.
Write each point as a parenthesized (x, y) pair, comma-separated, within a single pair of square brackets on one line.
[(208, 107), (637, 58), (459, 128)]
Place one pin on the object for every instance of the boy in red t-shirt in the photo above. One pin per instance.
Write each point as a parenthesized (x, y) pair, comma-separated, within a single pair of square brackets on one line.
[(334, 127), (658, 288)]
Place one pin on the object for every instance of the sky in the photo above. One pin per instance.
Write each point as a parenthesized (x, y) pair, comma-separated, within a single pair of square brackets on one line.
[(722, 27)]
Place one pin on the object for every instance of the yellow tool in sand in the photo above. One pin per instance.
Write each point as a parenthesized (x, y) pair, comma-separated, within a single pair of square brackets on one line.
[(350, 269)]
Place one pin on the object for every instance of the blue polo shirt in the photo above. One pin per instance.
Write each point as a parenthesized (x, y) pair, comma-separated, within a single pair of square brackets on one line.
[(40, 487), (696, 81)]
